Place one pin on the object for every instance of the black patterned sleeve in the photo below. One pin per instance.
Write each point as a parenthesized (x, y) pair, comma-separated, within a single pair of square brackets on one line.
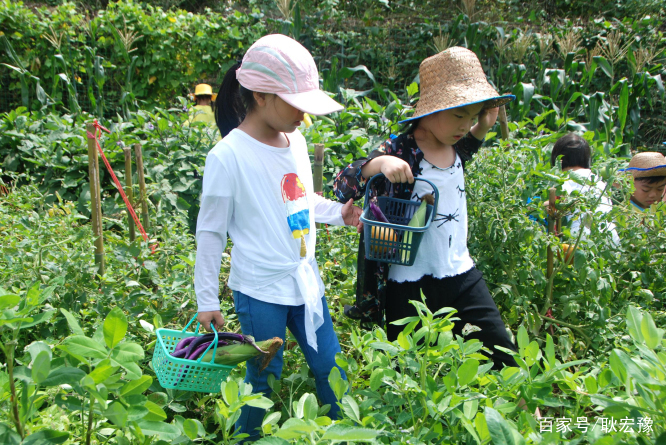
[(350, 183), (467, 147)]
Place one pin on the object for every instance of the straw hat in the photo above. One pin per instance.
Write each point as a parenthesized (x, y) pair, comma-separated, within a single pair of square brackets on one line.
[(203, 89), (649, 163), (454, 78)]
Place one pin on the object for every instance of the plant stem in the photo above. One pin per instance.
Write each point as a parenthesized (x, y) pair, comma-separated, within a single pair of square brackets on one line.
[(12, 388), (424, 361), (90, 421), (549, 292), (549, 254), (568, 325)]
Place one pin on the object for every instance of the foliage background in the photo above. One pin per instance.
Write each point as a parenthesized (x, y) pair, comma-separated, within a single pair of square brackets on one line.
[(524, 49), (76, 347)]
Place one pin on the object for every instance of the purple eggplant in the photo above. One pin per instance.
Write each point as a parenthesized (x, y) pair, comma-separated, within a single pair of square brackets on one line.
[(197, 341), (232, 336), (202, 348), (182, 344), (179, 354), (377, 212), (197, 346)]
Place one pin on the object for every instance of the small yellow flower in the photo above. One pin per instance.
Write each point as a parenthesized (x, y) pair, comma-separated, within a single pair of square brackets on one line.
[(172, 20)]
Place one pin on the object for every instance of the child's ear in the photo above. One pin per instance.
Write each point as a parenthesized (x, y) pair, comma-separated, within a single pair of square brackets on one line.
[(259, 98)]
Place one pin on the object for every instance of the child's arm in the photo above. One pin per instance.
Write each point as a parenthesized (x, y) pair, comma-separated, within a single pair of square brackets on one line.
[(395, 169), (332, 212), (212, 224), (350, 182), (470, 144), (486, 121)]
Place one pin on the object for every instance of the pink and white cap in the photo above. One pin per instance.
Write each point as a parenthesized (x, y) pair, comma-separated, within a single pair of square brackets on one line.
[(280, 65)]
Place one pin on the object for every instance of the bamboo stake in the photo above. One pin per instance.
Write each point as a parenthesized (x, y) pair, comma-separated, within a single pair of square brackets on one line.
[(142, 186), (550, 254), (504, 126), (318, 174), (95, 200), (128, 191)]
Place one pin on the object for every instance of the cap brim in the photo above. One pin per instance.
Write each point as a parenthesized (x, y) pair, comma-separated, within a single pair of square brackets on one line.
[(492, 103), (315, 102)]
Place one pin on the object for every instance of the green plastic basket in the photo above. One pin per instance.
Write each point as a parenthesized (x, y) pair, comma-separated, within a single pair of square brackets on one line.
[(183, 374), (394, 242)]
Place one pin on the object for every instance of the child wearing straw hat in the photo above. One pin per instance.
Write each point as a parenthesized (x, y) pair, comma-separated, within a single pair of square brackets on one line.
[(649, 172), (456, 109), (204, 97)]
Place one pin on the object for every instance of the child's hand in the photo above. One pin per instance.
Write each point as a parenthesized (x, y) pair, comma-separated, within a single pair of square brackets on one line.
[(396, 170), (351, 215), (487, 119), (205, 318)]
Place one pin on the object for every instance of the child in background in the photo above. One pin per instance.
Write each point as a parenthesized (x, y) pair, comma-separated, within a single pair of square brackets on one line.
[(649, 172), (203, 111), (575, 153), (443, 137), (258, 188)]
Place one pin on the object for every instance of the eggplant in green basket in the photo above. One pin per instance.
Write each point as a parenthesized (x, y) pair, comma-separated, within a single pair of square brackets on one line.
[(232, 348), (239, 352)]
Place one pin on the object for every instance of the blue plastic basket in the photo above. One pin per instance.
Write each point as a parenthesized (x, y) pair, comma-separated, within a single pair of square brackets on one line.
[(183, 374), (394, 242)]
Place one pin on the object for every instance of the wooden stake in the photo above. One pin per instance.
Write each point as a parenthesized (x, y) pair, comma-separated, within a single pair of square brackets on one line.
[(142, 186), (318, 174), (504, 126), (128, 191), (551, 229), (95, 200)]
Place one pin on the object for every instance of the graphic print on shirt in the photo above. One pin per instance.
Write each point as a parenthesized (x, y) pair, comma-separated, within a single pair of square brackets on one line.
[(446, 218), (298, 211), (443, 250)]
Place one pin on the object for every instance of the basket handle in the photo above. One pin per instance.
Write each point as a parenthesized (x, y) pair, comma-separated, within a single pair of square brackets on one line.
[(194, 317), (196, 332), (214, 342), (368, 186)]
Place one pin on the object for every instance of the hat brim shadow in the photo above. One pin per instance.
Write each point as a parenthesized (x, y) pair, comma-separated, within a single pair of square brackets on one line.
[(492, 102)]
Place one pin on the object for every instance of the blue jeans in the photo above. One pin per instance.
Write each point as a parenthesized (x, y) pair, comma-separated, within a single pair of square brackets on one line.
[(267, 320)]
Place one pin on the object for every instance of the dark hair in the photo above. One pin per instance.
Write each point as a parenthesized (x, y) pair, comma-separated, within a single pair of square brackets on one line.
[(233, 102), (410, 127), (650, 179), (575, 152)]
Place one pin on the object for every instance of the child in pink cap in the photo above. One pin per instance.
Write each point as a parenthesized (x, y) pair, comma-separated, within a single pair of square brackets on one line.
[(258, 189)]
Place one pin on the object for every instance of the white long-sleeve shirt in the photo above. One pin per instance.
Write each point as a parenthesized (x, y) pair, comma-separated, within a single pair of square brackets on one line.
[(263, 197), (605, 204)]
